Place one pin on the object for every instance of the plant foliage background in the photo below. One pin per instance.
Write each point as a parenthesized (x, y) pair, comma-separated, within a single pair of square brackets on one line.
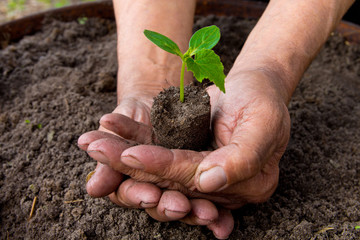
[(12, 9)]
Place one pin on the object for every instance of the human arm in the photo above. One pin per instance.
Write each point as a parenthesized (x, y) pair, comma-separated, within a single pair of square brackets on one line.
[(287, 38), (142, 65)]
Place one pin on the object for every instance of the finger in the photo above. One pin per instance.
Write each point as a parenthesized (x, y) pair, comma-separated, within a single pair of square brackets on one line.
[(227, 165), (175, 165), (127, 128), (172, 206), (104, 149), (108, 151), (224, 224), (136, 109), (238, 165), (115, 199), (103, 182), (203, 212), (89, 137), (139, 194)]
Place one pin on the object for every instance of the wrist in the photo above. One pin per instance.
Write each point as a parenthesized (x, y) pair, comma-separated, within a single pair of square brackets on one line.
[(282, 46), (144, 78), (269, 78)]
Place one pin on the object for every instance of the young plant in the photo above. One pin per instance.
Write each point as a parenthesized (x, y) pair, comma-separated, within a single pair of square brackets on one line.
[(199, 58)]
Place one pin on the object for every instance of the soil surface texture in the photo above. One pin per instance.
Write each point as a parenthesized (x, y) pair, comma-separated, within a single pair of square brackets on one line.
[(56, 84), (184, 125)]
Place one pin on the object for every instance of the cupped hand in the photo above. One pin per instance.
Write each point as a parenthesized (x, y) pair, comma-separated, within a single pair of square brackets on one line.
[(161, 204), (251, 127)]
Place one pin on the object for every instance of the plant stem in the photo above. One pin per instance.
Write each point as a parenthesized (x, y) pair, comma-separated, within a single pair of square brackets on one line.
[(182, 81)]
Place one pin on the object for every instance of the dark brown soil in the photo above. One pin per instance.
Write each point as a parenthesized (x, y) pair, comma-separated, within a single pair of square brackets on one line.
[(63, 78), (184, 125)]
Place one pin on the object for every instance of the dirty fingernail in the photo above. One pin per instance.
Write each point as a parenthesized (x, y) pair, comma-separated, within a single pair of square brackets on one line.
[(174, 214), (90, 174), (98, 156), (83, 146), (212, 179), (132, 162), (148, 204), (204, 222)]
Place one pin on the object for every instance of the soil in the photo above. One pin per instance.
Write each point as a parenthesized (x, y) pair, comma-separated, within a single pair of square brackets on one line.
[(56, 84), (184, 125)]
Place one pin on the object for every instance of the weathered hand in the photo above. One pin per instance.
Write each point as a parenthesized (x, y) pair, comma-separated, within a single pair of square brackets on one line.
[(251, 127), (104, 179), (162, 205)]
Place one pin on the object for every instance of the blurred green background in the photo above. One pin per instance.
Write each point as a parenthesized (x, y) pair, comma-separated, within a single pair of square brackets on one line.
[(12, 9)]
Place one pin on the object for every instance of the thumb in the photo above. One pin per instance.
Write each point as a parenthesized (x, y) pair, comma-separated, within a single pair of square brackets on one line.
[(134, 109), (250, 148), (169, 164), (225, 166)]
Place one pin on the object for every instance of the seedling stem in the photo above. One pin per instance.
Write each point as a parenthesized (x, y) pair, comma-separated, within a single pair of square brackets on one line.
[(182, 81)]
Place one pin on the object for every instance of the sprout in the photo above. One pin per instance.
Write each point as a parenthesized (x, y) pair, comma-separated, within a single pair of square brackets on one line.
[(199, 58)]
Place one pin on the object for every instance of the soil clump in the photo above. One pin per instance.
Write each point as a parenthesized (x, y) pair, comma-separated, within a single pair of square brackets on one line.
[(184, 125)]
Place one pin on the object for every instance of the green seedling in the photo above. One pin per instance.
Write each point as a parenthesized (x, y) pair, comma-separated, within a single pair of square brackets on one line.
[(199, 58), (82, 20), (39, 125)]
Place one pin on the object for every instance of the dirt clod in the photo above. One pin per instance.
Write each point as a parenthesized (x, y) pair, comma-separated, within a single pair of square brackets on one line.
[(184, 125)]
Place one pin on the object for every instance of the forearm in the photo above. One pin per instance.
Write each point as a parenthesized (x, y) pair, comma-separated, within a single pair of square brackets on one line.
[(287, 38), (137, 56)]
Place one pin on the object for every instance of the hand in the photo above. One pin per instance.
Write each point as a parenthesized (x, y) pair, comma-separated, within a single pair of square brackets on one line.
[(104, 179), (251, 127), (161, 205)]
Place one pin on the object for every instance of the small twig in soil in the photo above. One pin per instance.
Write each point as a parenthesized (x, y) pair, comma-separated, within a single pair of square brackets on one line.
[(32, 208), (325, 229), (74, 201), (66, 103)]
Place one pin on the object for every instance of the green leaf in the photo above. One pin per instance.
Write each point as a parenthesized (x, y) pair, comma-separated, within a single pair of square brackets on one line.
[(357, 227), (207, 64), (163, 42), (205, 38)]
